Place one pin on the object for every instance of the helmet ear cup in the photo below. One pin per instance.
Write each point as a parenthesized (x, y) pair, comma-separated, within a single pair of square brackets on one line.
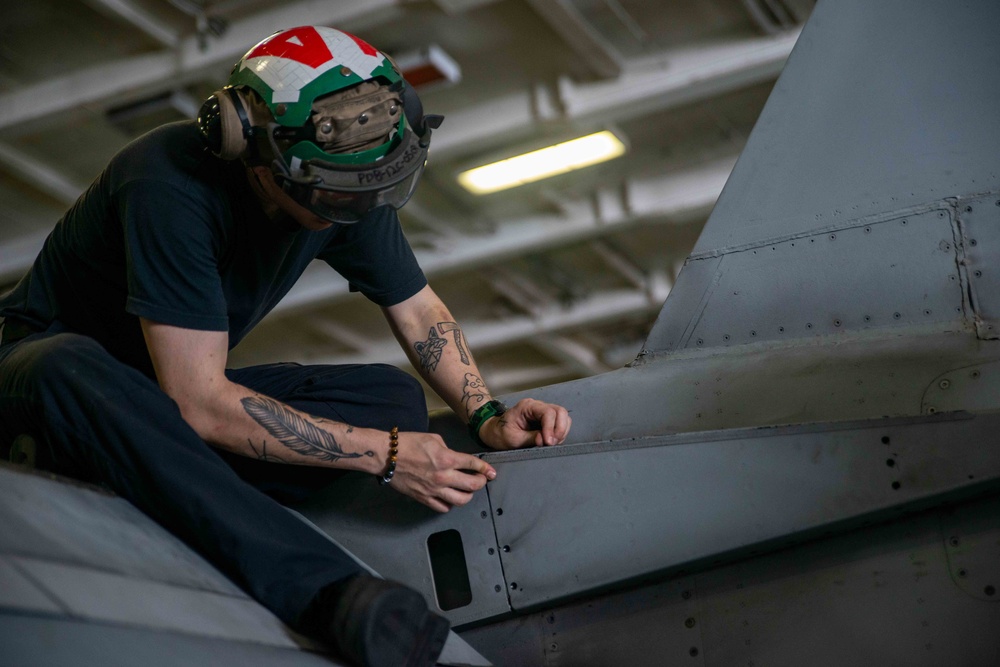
[(224, 125)]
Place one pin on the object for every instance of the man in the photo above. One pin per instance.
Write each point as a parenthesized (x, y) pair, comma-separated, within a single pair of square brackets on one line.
[(114, 346)]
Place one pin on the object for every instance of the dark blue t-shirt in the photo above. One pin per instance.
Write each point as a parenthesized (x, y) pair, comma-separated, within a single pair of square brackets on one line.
[(173, 234)]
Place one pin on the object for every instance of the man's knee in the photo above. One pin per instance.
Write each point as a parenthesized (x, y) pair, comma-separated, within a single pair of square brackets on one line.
[(62, 363), (406, 391)]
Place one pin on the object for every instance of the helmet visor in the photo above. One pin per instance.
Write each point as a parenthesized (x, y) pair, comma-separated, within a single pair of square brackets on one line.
[(344, 193), (346, 207)]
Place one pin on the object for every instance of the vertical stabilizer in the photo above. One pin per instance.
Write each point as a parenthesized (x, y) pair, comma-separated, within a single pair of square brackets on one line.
[(848, 208)]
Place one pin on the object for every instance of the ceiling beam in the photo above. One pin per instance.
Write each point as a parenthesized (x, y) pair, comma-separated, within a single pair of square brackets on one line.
[(133, 13), (672, 197), (583, 360), (676, 196), (596, 309), (675, 78), (617, 260), (588, 44), (511, 379), (139, 76), (40, 175), (518, 289)]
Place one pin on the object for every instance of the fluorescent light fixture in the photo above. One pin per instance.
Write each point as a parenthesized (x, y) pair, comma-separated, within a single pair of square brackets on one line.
[(545, 162)]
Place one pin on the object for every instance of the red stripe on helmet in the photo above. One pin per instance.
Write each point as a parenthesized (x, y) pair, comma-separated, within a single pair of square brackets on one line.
[(303, 45)]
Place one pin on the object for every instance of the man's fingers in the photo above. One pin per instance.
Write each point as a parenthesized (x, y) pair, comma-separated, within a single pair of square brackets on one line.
[(560, 426), (563, 424), (454, 497), (438, 506), (548, 427), (465, 481), (475, 464)]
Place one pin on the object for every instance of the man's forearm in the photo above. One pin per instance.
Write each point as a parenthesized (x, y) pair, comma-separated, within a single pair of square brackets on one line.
[(190, 368), (261, 427), (438, 350)]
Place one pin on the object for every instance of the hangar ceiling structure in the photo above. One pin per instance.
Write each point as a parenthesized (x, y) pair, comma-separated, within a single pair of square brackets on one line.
[(552, 281)]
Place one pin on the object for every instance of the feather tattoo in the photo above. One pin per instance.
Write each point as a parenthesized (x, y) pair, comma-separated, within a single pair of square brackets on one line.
[(295, 432)]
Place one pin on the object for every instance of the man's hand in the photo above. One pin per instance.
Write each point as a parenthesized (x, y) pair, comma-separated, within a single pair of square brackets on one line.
[(441, 478), (529, 423)]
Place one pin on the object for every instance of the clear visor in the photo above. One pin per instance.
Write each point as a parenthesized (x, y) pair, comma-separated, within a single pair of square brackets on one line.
[(344, 193), (347, 207)]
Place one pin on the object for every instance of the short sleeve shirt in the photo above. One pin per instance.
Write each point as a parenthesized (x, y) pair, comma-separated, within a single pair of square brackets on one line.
[(170, 233)]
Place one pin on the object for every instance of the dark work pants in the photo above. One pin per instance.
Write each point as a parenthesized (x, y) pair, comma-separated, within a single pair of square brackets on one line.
[(97, 419)]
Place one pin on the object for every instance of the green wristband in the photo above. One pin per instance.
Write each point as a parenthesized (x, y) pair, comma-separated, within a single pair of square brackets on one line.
[(493, 408)]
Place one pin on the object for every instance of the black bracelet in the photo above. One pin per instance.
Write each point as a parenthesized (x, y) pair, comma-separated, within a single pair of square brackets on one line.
[(393, 452)]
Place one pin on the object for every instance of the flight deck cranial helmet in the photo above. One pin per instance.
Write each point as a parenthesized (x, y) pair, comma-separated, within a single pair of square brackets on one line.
[(340, 128)]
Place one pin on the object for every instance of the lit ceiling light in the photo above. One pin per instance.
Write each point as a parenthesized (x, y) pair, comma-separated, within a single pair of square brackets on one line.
[(543, 163)]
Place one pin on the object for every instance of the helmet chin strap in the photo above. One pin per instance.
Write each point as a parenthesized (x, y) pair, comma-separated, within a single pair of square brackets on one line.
[(248, 129)]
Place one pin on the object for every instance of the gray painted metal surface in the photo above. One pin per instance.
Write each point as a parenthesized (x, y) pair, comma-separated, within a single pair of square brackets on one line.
[(881, 106), (893, 593), (117, 589), (849, 376), (574, 520), (389, 532), (898, 271), (879, 116), (581, 518), (74, 525), (46, 641), (80, 553)]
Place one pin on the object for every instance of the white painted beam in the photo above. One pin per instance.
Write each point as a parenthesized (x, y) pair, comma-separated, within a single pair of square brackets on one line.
[(581, 358), (678, 77), (140, 18), (134, 77), (597, 309), (518, 289), (340, 333), (510, 379), (39, 174), (615, 259), (678, 195), (588, 44)]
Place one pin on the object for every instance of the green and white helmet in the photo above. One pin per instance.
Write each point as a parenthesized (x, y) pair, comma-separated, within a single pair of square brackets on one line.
[(347, 134)]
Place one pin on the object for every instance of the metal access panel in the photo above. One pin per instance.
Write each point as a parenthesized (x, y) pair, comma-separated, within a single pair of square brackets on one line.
[(581, 518), (898, 271), (401, 539), (917, 590)]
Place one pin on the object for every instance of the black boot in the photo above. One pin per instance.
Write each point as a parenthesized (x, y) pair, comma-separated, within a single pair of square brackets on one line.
[(377, 623)]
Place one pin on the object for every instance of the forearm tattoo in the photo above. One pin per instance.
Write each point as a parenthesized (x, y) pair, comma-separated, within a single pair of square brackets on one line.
[(474, 393), (429, 351), (294, 432), (456, 331), (262, 455)]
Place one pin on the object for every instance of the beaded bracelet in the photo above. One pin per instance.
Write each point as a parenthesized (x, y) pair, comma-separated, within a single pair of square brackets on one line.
[(393, 452)]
